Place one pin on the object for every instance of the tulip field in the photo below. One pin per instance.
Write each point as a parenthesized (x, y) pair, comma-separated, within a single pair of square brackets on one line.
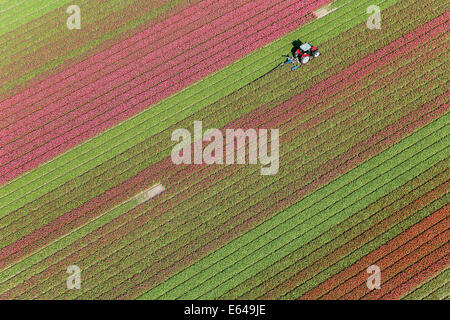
[(87, 177)]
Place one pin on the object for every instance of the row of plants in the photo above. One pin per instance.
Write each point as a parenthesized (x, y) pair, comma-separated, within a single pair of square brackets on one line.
[(144, 90), (83, 190), (428, 286), (79, 161), (136, 18), (222, 227), (339, 241), (318, 212)]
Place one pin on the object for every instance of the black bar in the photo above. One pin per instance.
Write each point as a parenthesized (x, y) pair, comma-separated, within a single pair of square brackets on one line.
[(220, 309)]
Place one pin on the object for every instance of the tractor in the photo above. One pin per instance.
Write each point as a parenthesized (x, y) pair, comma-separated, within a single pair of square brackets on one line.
[(301, 54), (304, 52)]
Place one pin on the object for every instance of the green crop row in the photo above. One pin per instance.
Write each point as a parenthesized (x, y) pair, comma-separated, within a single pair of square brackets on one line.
[(218, 217), (258, 241), (78, 51), (359, 253), (16, 13), (52, 174), (319, 251), (440, 293), (61, 207), (97, 188), (45, 33), (39, 258), (278, 246), (425, 289), (92, 12), (54, 211)]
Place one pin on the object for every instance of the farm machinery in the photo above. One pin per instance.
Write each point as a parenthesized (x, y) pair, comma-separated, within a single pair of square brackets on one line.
[(302, 55), (305, 51)]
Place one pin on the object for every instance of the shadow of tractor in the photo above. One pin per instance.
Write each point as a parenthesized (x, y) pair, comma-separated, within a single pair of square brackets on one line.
[(295, 45)]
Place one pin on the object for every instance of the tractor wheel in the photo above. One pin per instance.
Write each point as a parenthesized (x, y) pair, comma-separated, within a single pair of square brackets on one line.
[(316, 53), (305, 60)]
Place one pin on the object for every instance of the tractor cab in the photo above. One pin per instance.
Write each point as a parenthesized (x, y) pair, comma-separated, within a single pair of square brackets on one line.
[(305, 48), (306, 51)]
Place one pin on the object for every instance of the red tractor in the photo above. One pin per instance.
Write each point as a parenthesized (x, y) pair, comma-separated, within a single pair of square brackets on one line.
[(305, 51)]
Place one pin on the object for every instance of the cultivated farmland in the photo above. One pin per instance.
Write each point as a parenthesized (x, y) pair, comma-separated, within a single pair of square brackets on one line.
[(87, 176)]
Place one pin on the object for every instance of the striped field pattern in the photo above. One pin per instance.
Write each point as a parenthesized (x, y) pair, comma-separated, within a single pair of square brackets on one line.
[(87, 178)]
